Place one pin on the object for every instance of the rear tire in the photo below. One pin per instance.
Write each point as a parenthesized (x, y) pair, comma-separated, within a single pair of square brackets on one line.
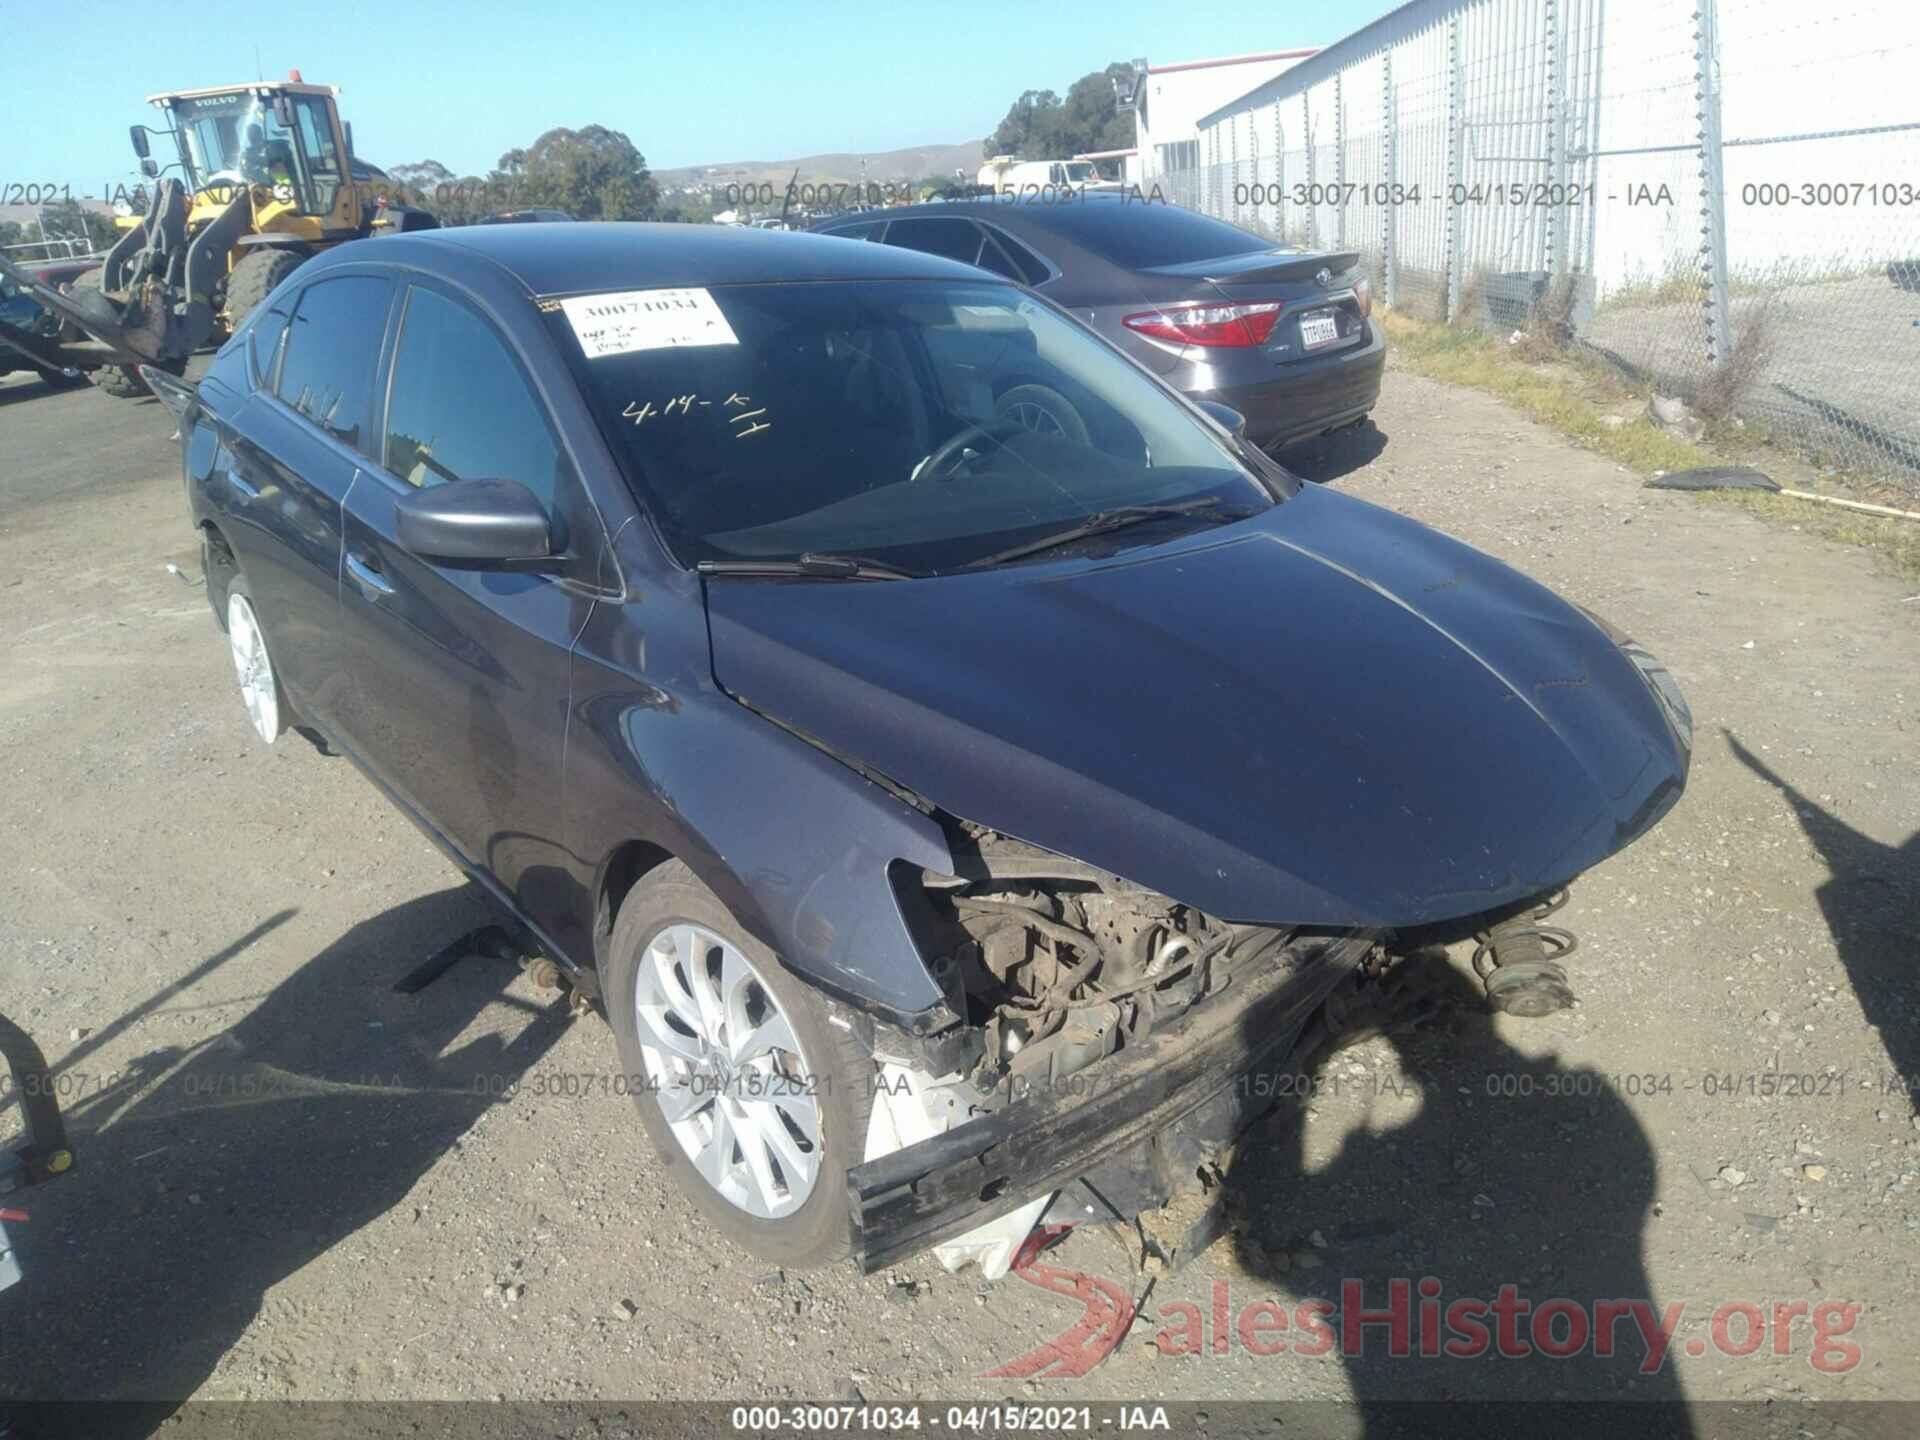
[(257, 276), (669, 923), (253, 667)]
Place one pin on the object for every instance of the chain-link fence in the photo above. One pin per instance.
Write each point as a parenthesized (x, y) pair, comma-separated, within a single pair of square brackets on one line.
[(1722, 195)]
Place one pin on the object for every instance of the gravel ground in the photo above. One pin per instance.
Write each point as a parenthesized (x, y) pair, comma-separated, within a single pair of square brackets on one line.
[(294, 1182)]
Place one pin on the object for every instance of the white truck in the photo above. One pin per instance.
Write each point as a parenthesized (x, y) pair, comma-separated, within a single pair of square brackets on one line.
[(1007, 174)]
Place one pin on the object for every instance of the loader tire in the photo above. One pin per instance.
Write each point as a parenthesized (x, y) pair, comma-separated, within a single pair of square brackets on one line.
[(257, 276), (122, 382)]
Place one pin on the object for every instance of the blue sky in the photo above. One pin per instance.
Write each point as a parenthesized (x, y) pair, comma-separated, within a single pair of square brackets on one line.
[(691, 83)]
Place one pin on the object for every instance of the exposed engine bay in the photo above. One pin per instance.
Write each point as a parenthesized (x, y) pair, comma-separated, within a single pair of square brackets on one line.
[(1061, 964)]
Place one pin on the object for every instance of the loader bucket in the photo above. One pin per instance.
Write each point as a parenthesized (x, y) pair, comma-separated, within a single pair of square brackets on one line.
[(154, 304), (103, 322)]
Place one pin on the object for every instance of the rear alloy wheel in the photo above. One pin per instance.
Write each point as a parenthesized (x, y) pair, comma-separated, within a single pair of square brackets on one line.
[(754, 1102), (253, 666), (1043, 410)]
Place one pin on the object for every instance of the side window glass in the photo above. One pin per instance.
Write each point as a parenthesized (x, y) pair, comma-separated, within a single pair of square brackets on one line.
[(868, 231), (460, 407), (1027, 267), (954, 239), (263, 337), (331, 351)]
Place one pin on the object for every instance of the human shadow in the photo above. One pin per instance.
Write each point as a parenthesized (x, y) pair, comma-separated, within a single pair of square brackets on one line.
[(1870, 904), (1512, 1172), (207, 1174), (1324, 459)]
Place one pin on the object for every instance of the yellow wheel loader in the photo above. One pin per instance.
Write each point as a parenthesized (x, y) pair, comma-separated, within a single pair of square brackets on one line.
[(266, 178)]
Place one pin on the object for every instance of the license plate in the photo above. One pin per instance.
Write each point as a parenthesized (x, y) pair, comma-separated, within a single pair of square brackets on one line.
[(1317, 328)]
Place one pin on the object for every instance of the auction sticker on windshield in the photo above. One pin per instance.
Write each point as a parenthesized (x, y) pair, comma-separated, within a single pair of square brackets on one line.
[(630, 320)]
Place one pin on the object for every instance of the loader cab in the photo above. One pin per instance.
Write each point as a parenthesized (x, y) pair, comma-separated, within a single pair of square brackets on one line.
[(283, 139)]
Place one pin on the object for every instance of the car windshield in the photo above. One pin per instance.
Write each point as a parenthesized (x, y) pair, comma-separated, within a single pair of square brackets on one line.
[(923, 424)]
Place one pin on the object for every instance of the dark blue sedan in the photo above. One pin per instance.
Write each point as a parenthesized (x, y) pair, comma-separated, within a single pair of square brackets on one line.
[(943, 811)]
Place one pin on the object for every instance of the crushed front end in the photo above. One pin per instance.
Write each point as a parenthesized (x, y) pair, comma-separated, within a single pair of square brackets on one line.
[(1113, 1037)]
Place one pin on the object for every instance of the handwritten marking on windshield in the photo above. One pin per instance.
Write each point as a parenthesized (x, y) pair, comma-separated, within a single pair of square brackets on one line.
[(753, 429), (639, 412)]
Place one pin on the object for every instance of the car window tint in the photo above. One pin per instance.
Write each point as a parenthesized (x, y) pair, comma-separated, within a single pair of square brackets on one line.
[(332, 350), (1006, 256), (1140, 234), (868, 231), (460, 409), (263, 337), (954, 239)]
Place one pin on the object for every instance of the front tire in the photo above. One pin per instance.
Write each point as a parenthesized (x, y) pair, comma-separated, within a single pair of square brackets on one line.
[(755, 1104), (257, 276)]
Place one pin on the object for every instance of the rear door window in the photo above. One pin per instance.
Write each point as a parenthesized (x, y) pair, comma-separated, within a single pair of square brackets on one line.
[(263, 338), (332, 349), (953, 239)]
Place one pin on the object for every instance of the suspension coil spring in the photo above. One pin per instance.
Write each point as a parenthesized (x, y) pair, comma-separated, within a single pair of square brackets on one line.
[(1518, 961)]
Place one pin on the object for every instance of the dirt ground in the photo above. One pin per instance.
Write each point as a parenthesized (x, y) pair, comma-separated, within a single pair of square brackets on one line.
[(294, 1182)]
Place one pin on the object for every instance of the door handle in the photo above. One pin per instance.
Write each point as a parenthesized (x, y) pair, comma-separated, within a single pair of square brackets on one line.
[(368, 577), (242, 486)]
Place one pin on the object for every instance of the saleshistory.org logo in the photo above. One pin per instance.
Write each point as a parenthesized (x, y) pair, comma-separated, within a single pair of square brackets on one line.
[(1417, 1318)]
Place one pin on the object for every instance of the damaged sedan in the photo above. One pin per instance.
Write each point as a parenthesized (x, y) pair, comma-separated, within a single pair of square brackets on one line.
[(954, 816)]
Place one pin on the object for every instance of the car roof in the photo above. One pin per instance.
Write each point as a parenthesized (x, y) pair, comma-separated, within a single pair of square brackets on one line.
[(1028, 208), (1078, 222), (575, 259)]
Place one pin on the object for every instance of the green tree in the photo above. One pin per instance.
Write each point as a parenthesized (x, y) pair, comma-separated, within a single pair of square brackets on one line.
[(1042, 126), (592, 173)]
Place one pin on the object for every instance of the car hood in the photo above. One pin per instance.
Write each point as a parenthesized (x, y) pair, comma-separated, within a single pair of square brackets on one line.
[(1327, 714)]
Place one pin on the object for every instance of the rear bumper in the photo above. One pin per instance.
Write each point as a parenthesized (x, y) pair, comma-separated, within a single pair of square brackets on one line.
[(1304, 397), (1043, 1141)]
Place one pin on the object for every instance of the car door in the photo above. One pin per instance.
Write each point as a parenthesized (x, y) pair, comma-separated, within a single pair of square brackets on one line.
[(286, 465), (459, 695)]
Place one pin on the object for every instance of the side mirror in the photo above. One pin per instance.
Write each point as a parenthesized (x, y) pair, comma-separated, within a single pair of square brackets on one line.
[(349, 130), (138, 134), (1228, 418), (474, 521), (283, 111)]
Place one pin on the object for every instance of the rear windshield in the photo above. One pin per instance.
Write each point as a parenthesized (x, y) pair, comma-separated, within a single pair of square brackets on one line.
[(1142, 233), (923, 423)]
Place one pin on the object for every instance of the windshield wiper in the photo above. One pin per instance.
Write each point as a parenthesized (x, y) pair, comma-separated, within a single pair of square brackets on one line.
[(812, 565), (1102, 522)]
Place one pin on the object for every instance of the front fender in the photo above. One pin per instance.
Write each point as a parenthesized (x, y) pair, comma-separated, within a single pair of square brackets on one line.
[(793, 841)]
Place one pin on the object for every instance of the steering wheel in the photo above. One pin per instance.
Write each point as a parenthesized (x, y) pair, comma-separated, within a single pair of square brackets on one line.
[(951, 454)]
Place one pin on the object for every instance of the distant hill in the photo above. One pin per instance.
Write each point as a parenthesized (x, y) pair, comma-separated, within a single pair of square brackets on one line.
[(913, 163)]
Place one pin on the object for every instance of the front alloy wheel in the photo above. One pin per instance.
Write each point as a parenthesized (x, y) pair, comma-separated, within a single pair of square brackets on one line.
[(731, 1072), (755, 1104)]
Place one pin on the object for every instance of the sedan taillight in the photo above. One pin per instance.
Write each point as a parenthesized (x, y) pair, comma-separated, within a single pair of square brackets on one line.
[(1229, 326), (1363, 296)]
